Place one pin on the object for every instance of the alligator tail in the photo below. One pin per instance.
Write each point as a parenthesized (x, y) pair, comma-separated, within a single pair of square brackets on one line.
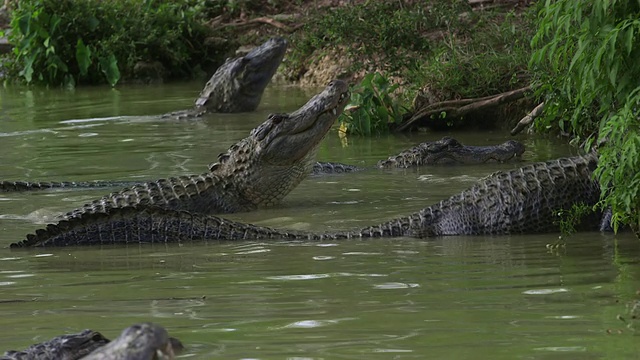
[(141, 225), (19, 186)]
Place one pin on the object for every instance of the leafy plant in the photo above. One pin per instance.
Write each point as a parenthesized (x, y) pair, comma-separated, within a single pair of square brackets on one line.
[(587, 72), (64, 42), (456, 52), (388, 34), (372, 108), (569, 219), (490, 58)]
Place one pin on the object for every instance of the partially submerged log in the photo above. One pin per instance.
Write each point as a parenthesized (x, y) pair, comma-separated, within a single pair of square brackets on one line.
[(528, 119), (453, 109)]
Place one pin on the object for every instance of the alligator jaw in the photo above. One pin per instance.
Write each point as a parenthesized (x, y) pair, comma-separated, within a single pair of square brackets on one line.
[(238, 84), (287, 145), (303, 129)]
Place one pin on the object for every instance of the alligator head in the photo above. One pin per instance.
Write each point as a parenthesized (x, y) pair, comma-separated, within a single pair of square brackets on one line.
[(238, 84), (139, 341), (72, 346), (281, 152), (450, 151)]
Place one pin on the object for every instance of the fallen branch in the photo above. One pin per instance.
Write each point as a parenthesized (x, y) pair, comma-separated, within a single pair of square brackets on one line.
[(458, 108), (262, 20), (528, 119)]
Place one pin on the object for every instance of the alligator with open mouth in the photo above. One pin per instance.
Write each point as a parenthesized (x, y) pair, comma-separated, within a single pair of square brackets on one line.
[(143, 341), (523, 200)]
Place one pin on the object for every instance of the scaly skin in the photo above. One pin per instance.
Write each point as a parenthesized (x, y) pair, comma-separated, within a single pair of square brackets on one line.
[(238, 84), (144, 341), (64, 347), (519, 201), (18, 186), (451, 151), (444, 151), (259, 170), (139, 342)]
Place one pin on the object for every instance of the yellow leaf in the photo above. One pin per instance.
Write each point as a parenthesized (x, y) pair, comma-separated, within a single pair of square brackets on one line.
[(342, 131)]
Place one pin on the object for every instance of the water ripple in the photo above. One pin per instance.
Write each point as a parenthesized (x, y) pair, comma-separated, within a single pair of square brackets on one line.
[(323, 276), (322, 258), (562, 348), (27, 132), (545, 291), (361, 253), (299, 277), (309, 324), (395, 285)]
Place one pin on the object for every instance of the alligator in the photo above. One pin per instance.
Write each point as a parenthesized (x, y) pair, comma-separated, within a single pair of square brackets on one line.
[(523, 200), (445, 151), (257, 171), (238, 84), (144, 341), (72, 346)]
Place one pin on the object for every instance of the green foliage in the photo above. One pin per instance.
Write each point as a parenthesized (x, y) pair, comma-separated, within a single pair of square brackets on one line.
[(371, 108), (386, 33), (458, 52), (239, 7), (569, 219), (64, 42), (490, 57), (587, 67)]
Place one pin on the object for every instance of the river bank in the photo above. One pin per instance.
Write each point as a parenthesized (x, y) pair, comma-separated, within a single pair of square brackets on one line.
[(435, 51)]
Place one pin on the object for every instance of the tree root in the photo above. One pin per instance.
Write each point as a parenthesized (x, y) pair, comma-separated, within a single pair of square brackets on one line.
[(457, 108), (528, 119)]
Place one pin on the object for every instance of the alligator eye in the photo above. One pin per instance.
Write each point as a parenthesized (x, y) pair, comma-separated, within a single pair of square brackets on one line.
[(97, 337), (276, 118)]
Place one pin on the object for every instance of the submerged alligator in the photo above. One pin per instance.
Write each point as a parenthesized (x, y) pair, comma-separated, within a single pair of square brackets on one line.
[(523, 200), (238, 84), (144, 341), (445, 151)]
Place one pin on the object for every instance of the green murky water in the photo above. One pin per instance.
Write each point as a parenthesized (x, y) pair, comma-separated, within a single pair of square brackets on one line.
[(455, 298)]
